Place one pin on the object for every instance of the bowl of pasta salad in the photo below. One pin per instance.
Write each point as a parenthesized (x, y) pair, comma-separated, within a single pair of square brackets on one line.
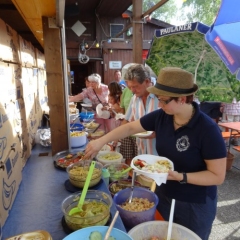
[(106, 157), (77, 173), (141, 209)]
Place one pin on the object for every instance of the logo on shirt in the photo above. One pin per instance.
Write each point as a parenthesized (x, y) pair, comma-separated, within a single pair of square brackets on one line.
[(182, 144)]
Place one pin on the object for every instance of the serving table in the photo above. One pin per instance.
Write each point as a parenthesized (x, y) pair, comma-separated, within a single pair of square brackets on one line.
[(38, 202)]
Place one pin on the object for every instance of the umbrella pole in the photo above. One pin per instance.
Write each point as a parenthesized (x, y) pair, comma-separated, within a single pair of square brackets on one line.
[(196, 69)]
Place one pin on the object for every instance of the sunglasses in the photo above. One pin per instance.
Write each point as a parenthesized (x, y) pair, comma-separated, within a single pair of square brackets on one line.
[(164, 102)]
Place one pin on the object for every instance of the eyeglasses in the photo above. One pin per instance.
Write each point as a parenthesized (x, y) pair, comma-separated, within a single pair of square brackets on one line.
[(164, 102)]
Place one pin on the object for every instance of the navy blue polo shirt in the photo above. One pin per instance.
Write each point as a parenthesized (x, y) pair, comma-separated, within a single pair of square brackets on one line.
[(187, 147)]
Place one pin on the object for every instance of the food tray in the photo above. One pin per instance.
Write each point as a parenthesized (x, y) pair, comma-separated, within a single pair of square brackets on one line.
[(159, 178), (36, 235), (61, 162)]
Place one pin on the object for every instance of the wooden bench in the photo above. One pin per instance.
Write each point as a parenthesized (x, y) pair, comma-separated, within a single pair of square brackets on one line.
[(226, 135), (237, 148)]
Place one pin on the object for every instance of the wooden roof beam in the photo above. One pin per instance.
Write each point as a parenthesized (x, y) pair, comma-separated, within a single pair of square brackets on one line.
[(124, 30), (152, 9)]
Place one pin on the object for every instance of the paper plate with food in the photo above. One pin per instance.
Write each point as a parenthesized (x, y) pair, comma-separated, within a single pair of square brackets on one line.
[(154, 167), (143, 134)]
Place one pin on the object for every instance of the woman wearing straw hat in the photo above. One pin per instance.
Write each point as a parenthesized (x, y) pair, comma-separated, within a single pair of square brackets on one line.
[(192, 141)]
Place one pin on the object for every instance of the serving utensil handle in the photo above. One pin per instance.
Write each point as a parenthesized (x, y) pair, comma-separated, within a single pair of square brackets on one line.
[(111, 226)]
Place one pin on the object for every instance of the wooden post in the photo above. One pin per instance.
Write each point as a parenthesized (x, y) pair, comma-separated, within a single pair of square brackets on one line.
[(137, 31), (55, 85)]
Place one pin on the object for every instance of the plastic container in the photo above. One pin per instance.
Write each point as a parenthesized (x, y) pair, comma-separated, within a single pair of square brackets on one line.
[(85, 233), (106, 157), (159, 229), (79, 175), (105, 176), (76, 127), (86, 115), (117, 186), (115, 169), (43, 235), (130, 218), (77, 221), (78, 141)]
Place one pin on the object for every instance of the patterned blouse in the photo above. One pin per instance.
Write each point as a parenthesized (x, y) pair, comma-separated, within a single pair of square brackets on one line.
[(89, 93)]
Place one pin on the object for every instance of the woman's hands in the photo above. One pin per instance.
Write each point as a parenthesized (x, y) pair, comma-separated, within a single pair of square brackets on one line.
[(92, 149), (174, 175)]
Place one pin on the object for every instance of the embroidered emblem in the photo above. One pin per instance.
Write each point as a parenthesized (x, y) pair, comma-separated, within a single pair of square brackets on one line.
[(182, 144)]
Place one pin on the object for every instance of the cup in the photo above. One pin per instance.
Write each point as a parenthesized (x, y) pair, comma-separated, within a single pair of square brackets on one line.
[(105, 175)]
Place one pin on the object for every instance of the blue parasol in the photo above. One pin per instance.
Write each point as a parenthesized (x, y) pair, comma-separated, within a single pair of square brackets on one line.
[(223, 35), (185, 47)]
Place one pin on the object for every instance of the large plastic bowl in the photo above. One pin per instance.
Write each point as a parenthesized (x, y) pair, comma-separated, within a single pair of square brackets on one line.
[(159, 229), (101, 200), (76, 127), (117, 186), (78, 138), (77, 173), (86, 115), (106, 157), (132, 218), (85, 233), (115, 169)]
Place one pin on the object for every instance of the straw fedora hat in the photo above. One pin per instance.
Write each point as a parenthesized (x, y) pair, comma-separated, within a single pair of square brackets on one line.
[(174, 82)]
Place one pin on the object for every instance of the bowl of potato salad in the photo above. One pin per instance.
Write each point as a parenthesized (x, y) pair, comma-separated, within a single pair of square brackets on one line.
[(78, 138), (106, 157)]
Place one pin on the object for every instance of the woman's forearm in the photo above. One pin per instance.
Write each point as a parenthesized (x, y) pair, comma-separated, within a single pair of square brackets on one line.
[(118, 133), (75, 98)]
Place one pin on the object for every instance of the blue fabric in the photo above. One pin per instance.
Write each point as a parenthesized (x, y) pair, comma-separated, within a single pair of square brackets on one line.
[(38, 202), (187, 147), (123, 82), (223, 35)]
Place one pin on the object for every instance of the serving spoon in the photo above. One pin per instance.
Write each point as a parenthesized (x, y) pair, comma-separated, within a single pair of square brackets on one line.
[(170, 222), (120, 174), (132, 186), (84, 192), (111, 226)]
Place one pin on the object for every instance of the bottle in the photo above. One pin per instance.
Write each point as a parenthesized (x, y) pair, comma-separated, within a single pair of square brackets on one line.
[(105, 176)]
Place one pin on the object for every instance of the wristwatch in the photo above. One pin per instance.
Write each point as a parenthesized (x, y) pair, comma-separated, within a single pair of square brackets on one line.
[(184, 180)]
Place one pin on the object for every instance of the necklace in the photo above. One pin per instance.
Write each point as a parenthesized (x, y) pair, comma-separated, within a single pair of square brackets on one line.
[(182, 125)]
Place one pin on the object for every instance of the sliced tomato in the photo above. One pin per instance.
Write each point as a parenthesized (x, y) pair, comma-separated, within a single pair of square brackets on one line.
[(61, 160), (140, 163)]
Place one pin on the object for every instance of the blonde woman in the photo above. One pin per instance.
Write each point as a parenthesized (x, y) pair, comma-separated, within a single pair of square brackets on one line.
[(97, 92)]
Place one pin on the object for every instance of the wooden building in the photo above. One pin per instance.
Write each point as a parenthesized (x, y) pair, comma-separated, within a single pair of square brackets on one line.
[(109, 37)]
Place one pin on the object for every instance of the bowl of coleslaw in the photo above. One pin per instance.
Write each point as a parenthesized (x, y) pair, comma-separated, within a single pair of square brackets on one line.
[(106, 157)]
